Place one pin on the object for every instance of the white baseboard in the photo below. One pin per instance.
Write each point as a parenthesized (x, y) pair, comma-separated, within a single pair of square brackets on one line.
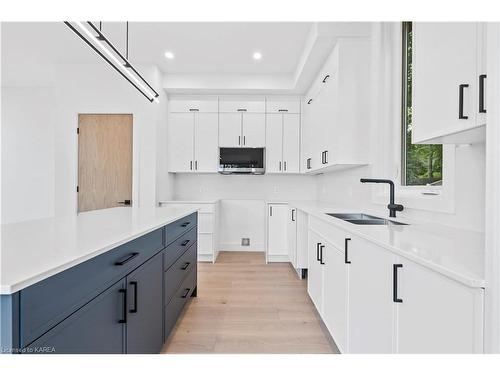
[(277, 258), (237, 247), (205, 258)]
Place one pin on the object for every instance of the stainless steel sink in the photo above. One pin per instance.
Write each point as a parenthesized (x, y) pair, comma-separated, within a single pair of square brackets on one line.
[(364, 219)]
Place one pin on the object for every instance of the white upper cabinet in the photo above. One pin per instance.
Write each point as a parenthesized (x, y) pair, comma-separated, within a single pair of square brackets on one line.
[(282, 105), (253, 129), (230, 129), (282, 143), (248, 104), (449, 82), (335, 115), (193, 135)]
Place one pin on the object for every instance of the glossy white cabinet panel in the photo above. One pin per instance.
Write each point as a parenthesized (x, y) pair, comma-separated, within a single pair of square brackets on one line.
[(371, 311), (242, 104), (437, 314), (335, 295), (181, 136), (315, 271), (206, 151), (446, 65), (292, 235), (206, 222), (230, 130), (193, 104), (283, 106), (274, 140), (277, 239), (291, 143), (253, 130), (205, 244)]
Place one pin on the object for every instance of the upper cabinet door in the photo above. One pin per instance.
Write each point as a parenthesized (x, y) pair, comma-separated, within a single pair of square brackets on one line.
[(445, 81), (283, 106), (242, 104), (254, 130), (291, 142), (206, 142), (230, 130), (193, 104), (181, 144), (437, 314), (274, 143), (370, 330)]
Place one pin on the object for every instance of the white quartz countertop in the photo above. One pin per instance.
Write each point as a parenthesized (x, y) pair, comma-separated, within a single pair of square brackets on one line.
[(456, 253), (35, 250)]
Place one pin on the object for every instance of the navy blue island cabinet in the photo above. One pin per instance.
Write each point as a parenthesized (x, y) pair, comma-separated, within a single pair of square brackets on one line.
[(126, 300)]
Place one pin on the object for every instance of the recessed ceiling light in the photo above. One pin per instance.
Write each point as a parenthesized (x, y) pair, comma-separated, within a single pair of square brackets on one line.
[(169, 55), (257, 55)]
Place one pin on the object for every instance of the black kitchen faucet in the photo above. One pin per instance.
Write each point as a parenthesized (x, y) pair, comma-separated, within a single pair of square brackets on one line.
[(393, 207)]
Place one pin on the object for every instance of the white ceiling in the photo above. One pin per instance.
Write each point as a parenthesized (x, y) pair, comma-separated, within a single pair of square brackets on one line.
[(202, 50)]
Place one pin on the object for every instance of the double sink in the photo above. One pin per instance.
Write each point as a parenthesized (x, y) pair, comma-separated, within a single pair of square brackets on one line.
[(364, 219)]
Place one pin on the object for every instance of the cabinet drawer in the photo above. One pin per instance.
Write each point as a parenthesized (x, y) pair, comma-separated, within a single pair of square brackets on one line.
[(176, 274), (178, 301), (330, 232), (283, 106), (48, 302), (242, 105), (176, 248), (175, 229), (206, 223), (205, 243)]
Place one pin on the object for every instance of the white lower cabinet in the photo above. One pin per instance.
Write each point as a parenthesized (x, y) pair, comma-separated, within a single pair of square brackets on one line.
[(277, 238), (437, 314), (374, 301), (292, 235)]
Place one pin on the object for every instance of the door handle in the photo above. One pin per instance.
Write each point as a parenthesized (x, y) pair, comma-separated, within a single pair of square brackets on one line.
[(346, 247), (125, 202), (321, 254), (317, 251), (124, 306), (482, 77), (126, 260), (134, 309), (395, 297), (461, 88)]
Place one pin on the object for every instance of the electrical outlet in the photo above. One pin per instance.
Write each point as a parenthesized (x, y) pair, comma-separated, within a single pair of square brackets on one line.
[(245, 242)]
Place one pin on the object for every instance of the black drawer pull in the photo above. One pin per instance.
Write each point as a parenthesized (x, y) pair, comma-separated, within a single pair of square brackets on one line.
[(317, 251), (321, 254), (282, 110), (185, 243), (193, 109), (461, 115), (482, 109), (186, 293), (242, 110), (124, 306), (308, 163), (346, 247), (126, 260), (134, 309), (185, 266), (326, 77), (184, 225), (309, 101), (395, 297)]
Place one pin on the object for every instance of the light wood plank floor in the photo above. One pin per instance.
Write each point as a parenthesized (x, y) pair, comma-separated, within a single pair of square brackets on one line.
[(246, 306)]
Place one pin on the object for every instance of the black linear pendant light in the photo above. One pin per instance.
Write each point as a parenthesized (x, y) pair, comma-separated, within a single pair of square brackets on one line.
[(94, 37)]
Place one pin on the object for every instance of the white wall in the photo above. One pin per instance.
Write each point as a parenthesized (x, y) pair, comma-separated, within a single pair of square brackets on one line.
[(243, 206), (27, 153), (77, 88)]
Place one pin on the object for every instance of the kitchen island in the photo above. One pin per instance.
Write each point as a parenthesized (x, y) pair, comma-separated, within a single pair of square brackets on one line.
[(107, 281)]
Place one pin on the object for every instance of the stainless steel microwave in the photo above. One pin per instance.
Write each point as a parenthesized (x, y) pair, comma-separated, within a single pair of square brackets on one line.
[(241, 160)]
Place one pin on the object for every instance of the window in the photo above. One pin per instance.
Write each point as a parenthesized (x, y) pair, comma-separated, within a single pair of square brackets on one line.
[(420, 164)]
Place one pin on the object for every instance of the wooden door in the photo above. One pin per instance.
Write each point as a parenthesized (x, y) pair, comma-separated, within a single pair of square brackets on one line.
[(181, 135), (104, 161), (274, 144)]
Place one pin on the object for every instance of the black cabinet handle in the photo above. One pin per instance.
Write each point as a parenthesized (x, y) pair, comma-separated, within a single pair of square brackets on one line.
[(482, 77), (196, 165), (186, 293), (124, 306), (309, 101), (279, 165), (461, 88), (244, 140), (134, 284), (293, 217), (184, 225), (270, 210), (191, 165), (242, 110), (323, 157), (321, 254), (308, 163), (282, 110), (126, 260), (395, 283), (185, 266), (184, 243), (326, 156), (239, 140), (346, 248), (318, 245), (284, 166), (193, 109), (326, 77)]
